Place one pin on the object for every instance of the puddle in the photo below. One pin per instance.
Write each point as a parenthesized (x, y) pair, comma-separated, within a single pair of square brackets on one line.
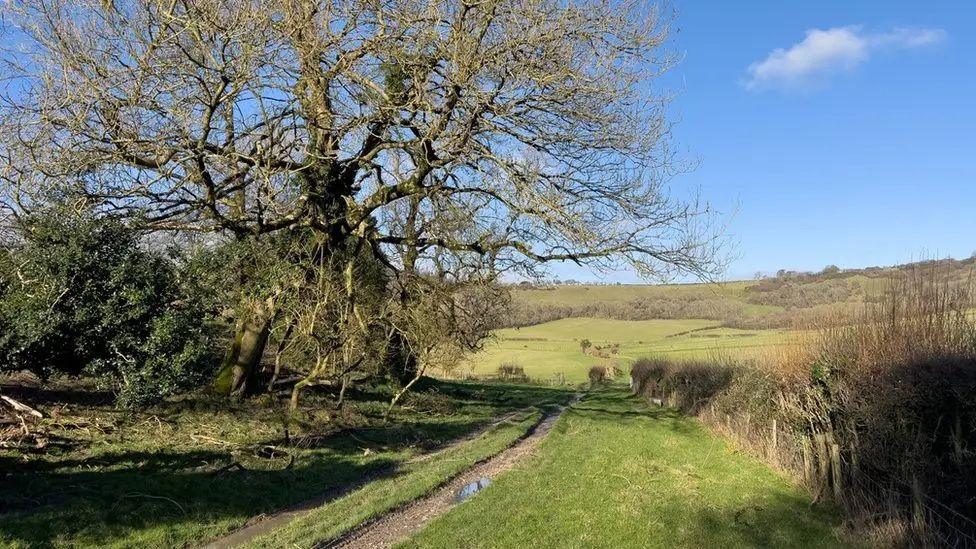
[(471, 489)]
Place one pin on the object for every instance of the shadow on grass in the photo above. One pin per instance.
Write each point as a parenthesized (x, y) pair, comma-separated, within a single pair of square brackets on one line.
[(620, 407), (62, 394), (778, 520), (105, 498), (131, 496), (508, 395), (101, 507), (423, 436)]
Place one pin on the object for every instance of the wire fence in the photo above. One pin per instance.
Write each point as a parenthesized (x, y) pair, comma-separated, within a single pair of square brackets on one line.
[(932, 522)]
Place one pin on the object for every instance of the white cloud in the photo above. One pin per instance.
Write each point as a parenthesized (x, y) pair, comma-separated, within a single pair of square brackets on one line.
[(823, 52)]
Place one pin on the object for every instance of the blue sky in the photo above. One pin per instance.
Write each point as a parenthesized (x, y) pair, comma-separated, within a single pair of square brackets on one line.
[(838, 132)]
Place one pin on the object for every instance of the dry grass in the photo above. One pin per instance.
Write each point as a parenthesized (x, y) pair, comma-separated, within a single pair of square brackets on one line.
[(875, 410)]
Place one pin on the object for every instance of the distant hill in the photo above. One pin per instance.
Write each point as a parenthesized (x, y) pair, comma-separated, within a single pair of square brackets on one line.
[(789, 299)]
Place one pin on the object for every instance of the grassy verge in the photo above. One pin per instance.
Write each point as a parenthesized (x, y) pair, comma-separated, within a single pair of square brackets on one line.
[(194, 470), (413, 481), (616, 473)]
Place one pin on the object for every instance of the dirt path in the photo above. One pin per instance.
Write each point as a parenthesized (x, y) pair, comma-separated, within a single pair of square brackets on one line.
[(401, 523), (262, 524)]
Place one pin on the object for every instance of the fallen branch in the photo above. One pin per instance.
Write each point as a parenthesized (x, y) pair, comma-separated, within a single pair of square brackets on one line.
[(21, 407)]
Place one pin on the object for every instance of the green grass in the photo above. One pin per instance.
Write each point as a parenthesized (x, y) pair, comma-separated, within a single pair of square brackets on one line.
[(601, 330), (713, 342), (545, 350), (616, 473), (155, 479), (584, 294), (413, 481)]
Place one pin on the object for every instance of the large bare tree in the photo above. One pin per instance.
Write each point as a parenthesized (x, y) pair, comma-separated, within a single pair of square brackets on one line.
[(533, 121)]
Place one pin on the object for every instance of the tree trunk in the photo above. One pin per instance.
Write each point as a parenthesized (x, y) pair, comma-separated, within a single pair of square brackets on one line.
[(235, 378), (400, 364), (342, 392), (297, 389), (281, 348)]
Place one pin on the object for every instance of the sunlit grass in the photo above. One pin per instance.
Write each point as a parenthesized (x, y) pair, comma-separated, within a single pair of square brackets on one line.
[(553, 348), (168, 479), (414, 481), (616, 473)]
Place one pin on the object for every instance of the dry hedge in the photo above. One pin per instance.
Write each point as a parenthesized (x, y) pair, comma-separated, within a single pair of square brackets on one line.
[(598, 374), (511, 371), (879, 414)]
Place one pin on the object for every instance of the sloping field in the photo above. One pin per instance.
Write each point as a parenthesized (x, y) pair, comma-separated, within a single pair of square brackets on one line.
[(583, 294), (192, 473), (552, 348)]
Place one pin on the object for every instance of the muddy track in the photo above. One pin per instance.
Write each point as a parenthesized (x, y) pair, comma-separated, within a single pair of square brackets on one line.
[(411, 518), (262, 524)]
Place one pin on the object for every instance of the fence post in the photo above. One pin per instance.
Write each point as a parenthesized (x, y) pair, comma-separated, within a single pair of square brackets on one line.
[(820, 454), (775, 441), (836, 473)]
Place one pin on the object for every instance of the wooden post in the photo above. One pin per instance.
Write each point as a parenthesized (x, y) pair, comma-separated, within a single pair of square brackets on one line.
[(820, 452), (775, 442), (807, 463), (837, 477)]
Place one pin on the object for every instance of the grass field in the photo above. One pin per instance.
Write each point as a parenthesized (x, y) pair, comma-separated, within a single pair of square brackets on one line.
[(410, 482), (585, 294), (548, 349), (616, 473), (179, 475)]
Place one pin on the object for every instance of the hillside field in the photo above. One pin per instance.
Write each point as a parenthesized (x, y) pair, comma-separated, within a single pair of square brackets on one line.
[(790, 300), (548, 349), (588, 294), (738, 319)]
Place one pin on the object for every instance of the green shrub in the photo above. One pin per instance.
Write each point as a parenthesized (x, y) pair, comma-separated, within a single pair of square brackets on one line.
[(691, 385), (598, 374), (511, 371), (585, 345), (86, 299), (645, 374)]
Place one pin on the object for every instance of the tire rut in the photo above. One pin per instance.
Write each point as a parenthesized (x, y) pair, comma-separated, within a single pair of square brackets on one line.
[(401, 523), (262, 524)]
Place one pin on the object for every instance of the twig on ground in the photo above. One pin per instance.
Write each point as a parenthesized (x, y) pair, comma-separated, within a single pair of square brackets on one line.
[(229, 467), (149, 496)]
